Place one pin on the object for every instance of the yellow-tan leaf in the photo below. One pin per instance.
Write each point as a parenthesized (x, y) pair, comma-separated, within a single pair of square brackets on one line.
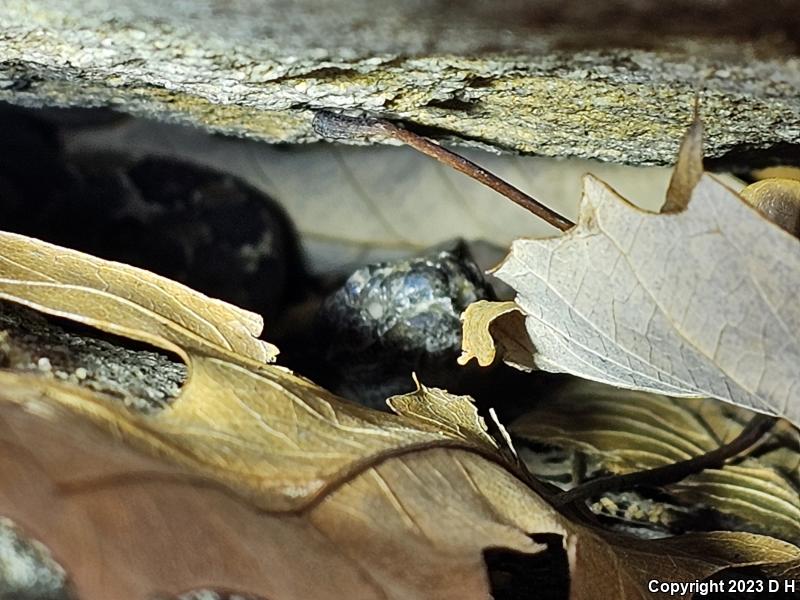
[(492, 328)]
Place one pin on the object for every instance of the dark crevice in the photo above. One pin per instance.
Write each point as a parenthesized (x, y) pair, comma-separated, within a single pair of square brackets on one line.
[(454, 104), (446, 136), (326, 73), (481, 82), (518, 576), (742, 160)]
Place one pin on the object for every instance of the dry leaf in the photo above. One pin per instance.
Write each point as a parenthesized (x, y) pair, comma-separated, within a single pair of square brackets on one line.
[(285, 445), (776, 193), (256, 480), (124, 300), (778, 199), (696, 303), (624, 431), (688, 168), (457, 415), (494, 328), (678, 559), (375, 536), (249, 409), (409, 527)]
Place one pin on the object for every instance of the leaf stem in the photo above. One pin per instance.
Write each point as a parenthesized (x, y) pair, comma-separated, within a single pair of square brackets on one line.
[(336, 126), (659, 476)]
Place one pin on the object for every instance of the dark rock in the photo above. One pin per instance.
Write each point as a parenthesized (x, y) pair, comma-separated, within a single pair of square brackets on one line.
[(201, 227), (392, 319)]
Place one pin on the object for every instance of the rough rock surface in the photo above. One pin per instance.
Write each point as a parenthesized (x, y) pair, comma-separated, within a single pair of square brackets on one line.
[(27, 571), (392, 319), (612, 80)]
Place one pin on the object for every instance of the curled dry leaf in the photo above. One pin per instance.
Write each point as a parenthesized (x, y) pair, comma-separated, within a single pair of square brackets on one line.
[(258, 481), (456, 414), (622, 431), (688, 168), (696, 303), (776, 193), (494, 328), (778, 199)]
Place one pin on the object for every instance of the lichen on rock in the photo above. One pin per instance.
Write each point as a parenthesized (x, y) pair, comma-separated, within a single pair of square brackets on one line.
[(555, 79)]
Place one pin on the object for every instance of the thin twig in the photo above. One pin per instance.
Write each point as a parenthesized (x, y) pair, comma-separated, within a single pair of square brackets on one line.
[(335, 126), (660, 476)]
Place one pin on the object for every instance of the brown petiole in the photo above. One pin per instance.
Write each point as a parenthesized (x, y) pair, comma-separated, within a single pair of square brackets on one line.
[(660, 476), (336, 126)]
